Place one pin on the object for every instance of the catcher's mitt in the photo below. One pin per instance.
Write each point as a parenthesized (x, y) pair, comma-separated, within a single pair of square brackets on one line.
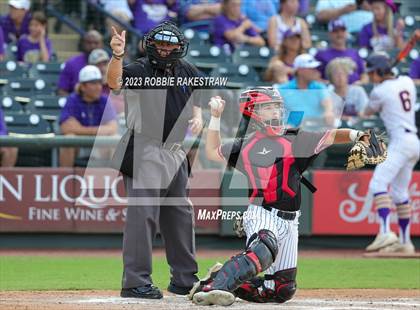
[(362, 153), (238, 226)]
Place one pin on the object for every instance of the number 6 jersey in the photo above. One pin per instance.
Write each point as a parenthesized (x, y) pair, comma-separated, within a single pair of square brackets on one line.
[(394, 99)]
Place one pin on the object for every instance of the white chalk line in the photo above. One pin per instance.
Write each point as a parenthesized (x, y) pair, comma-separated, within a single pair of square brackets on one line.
[(324, 304)]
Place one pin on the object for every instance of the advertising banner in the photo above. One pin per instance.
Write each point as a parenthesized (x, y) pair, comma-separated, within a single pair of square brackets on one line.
[(343, 206)]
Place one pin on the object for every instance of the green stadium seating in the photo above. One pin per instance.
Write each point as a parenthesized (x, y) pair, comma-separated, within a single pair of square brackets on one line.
[(257, 57), (26, 123), (239, 76), (206, 56), (10, 69), (29, 87), (9, 104), (49, 106)]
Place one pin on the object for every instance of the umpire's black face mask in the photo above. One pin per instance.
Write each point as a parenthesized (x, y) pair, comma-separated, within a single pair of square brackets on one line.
[(164, 45)]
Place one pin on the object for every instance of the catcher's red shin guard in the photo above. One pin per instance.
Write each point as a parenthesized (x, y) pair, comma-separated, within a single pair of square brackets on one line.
[(284, 288), (242, 267)]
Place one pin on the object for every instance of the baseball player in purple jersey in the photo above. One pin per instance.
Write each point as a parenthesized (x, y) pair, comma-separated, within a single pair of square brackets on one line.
[(273, 159)]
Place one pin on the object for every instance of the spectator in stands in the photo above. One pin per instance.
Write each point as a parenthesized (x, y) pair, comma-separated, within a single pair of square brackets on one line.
[(120, 9), (415, 70), (285, 20), (354, 16), (86, 112), (150, 13), (259, 12), (16, 23), (381, 34), (35, 46), (100, 58), (349, 99), (2, 45), (338, 48), (8, 155), (304, 94), (200, 10), (70, 74), (231, 28), (280, 69)]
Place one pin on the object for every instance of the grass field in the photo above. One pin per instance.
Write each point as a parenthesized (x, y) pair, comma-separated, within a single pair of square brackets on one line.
[(79, 273)]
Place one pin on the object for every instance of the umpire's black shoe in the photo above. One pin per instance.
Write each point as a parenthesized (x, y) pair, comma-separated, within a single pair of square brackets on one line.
[(148, 291), (179, 290)]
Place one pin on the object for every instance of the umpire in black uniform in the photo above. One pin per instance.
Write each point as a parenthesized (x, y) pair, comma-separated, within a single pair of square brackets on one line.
[(154, 164)]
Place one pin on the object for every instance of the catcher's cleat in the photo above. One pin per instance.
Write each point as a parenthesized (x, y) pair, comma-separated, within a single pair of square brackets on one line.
[(382, 241), (214, 297), (406, 248), (211, 274)]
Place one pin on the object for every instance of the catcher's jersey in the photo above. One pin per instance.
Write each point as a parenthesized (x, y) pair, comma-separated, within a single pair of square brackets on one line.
[(394, 100), (274, 164)]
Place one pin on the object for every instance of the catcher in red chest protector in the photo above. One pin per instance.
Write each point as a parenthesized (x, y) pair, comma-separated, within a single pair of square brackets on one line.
[(273, 159)]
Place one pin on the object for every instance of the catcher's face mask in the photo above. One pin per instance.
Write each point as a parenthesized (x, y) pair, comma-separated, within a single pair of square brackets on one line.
[(164, 45), (265, 107)]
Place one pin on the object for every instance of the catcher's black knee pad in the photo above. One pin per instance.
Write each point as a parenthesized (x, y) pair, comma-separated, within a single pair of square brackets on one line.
[(258, 257), (264, 246), (285, 284)]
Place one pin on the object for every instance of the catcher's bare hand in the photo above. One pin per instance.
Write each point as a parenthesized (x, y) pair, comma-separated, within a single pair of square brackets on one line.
[(217, 111), (117, 41)]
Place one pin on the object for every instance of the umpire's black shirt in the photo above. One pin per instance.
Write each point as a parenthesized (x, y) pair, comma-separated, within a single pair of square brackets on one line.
[(156, 111)]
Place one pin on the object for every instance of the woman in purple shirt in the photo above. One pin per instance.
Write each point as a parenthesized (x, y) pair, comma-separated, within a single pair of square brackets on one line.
[(380, 34), (233, 29), (35, 46)]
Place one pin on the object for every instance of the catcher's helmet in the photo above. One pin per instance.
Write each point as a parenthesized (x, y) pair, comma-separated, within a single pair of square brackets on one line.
[(253, 99), (379, 62), (166, 32)]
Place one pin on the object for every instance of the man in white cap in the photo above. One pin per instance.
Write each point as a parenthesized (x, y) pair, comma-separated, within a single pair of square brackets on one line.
[(17, 21), (304, 94), (86, 112), (100, 58)]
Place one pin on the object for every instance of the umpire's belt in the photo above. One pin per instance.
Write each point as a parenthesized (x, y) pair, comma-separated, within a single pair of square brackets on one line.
[(285, 215)]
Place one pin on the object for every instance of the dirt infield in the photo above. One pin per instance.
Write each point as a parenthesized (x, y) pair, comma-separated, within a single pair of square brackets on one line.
[(305, 299)]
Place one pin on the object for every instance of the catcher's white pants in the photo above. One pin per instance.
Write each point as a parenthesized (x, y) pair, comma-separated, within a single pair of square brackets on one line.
[(286, 232), (397, 169)]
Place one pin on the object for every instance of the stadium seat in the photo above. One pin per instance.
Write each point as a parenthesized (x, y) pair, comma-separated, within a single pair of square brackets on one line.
[(11, 69), (206, 56), (11, 50), (197, 37), (10, 104), (49, 72), (239, 76), (49, 106), (257, 57), (28, 87), (26, 124)]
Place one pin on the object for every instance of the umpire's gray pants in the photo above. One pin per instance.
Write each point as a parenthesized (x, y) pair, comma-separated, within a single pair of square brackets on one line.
[(156, 169)]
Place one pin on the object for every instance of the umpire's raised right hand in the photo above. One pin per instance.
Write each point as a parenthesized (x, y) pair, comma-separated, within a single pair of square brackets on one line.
[(117, 41)]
